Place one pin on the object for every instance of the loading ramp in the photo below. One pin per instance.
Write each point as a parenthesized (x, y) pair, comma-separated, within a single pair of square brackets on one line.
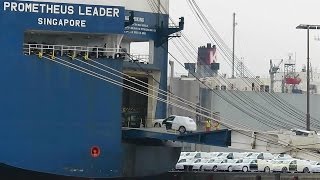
[(221, 138)]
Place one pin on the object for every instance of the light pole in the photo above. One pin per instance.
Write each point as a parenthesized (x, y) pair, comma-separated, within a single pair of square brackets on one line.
[(233, 42), (308, 27)]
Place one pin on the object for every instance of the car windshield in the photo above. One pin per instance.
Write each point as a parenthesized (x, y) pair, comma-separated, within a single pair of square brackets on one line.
[(253, 155), (213, 154), (213, 160), (191, 154), (197, 161), (182, 160), (223, 154), (239, 161)]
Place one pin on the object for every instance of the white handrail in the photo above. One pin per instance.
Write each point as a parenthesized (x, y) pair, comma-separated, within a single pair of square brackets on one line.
[(29, 48), (88, 50)]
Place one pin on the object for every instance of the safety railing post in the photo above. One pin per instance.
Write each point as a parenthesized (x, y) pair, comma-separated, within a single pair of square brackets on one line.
[(41, 48)]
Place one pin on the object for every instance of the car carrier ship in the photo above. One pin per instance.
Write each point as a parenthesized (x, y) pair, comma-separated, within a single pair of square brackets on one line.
[(57, 119), (71, 104)]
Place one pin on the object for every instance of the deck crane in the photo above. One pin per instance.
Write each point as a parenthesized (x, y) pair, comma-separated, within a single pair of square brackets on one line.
[(272, 71)]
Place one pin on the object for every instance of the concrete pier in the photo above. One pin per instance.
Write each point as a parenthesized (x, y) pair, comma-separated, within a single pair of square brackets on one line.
[(235, 176)]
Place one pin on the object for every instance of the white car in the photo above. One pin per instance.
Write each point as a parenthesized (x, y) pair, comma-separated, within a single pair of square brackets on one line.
[(189, 155), (252, 155), (215, 154), (294, 165), (196, 162), (243, 165), (183, 154), (195, 155), (265, 156), (240, 155), (226, 166), (198, 166), (180, 123), (158, 123), (186, 165), (315, 167), (277, 165), (246, 165), (180, 166), (264, 165), (282, 156), (225, 155), (213, 164)]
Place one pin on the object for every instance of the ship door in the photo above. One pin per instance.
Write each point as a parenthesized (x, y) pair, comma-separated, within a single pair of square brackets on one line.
[(134, 105)]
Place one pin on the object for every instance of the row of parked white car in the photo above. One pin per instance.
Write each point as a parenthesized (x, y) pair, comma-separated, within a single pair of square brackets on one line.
[(245, 162)]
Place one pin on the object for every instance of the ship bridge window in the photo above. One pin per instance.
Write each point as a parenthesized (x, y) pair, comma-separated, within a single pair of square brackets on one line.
[(141, 52)]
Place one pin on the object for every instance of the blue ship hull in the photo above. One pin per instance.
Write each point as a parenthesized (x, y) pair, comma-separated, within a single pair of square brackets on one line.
[(140, 161), (52, 116)]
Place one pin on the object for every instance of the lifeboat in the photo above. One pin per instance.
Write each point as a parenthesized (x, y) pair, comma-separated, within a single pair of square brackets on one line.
[(291, 80)]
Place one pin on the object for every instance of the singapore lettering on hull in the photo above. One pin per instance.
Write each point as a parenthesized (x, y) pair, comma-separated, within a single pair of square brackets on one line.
[(62, 22)]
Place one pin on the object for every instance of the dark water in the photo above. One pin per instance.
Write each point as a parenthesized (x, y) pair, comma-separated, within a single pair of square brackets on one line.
[(13, 174), (9, 173)]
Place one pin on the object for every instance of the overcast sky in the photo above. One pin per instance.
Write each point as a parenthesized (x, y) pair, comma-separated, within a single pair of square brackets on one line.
[(266, 29)]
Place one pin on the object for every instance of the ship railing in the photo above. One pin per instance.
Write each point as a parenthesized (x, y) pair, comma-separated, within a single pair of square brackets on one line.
[(140, 58), (30, 49)]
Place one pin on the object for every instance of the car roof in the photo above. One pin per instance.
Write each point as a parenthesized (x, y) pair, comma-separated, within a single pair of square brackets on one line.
[(179, 116)]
